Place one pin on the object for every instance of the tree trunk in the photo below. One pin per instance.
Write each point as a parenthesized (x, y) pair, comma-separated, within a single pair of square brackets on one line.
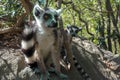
[(102, 26), (114, 21), (109, 31)]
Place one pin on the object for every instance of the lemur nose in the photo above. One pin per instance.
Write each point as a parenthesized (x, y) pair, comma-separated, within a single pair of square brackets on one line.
[(54, 24)]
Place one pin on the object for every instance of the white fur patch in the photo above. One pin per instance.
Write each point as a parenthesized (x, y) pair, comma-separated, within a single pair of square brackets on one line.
[(68, 31), (63, 63), (67, 67), (27, 44), (45, 40), (27, 30), (32, 58)]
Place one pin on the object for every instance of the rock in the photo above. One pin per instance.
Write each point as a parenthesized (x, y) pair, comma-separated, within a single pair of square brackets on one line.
[(13, 67)]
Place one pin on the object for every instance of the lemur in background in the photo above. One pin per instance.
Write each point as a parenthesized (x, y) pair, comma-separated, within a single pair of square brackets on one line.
[(42, 39), (72, 31)]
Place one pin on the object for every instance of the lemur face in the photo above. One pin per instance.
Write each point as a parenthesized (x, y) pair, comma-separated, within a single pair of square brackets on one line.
[(46, 17), (73, 30)]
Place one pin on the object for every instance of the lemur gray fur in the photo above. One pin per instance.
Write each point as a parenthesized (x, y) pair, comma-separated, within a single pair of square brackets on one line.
[(43, 39)]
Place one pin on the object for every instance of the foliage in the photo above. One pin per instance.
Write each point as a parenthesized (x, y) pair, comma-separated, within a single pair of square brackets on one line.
[(99, 22), (10, 8)]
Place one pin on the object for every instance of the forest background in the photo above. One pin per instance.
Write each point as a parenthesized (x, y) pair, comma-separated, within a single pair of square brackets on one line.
[(99, 19)]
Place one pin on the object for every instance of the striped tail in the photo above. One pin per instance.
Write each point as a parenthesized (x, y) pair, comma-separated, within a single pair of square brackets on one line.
[(81, 70), (28, 45)]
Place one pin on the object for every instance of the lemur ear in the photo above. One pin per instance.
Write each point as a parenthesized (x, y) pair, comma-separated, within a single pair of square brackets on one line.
[(59, 11), (37, 10)]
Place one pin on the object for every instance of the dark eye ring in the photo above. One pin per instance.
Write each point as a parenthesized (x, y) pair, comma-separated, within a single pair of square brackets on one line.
[(56, 17), (46, 16)]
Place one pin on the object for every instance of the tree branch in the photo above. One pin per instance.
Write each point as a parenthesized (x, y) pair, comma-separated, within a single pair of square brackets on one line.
[(10, 29), (21, 19), (27, 5), (69, 2), (108, 4), (78, 12), (28, 8), (59, 2)]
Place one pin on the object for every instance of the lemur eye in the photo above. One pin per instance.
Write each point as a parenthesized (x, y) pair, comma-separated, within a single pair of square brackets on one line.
[(46, 16), (56, 17)]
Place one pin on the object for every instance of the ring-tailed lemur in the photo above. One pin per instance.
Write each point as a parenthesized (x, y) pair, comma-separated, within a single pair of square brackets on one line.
[(73, 31), (40, 37), (43, 39)]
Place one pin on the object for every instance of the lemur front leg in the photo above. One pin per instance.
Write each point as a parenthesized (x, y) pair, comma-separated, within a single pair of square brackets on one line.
[(41, 65)]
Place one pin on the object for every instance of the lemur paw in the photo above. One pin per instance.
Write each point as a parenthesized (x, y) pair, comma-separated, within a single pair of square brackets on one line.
[(52, 70), (63, 76), (45, 76), (37, 71)]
